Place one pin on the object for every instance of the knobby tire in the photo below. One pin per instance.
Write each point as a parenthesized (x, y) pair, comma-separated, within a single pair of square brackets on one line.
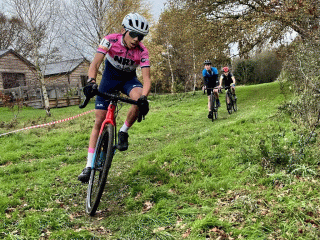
[(235, 107), (229, 106), (213, 107), (99, 174), (215, 113)]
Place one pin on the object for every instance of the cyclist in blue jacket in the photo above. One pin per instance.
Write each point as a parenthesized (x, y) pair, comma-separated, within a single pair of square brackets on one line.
[(210, 77)]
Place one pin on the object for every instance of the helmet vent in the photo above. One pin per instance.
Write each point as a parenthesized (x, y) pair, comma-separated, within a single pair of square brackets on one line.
[(142, 25), (130, 23)]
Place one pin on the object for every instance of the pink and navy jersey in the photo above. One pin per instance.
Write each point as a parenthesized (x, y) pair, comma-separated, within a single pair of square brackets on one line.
[(122, 58)]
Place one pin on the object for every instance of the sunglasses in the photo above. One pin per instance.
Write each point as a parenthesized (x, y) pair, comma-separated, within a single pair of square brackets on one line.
[(135, 34)]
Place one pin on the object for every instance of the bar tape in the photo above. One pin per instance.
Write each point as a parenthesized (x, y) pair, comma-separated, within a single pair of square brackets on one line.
[(47, 124)]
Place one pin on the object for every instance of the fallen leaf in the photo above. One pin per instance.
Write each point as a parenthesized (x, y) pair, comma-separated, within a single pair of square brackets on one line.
[(159, 229), (187, 233), (147, 206)]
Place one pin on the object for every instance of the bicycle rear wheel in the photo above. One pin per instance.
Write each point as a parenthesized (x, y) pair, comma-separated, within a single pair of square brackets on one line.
[(102, 163)]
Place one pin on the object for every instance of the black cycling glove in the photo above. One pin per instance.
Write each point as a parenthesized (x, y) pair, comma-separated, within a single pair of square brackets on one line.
[(143, 105), (88, 89)]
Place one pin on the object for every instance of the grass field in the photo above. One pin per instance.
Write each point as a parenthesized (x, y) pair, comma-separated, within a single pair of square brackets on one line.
[(247, 175)]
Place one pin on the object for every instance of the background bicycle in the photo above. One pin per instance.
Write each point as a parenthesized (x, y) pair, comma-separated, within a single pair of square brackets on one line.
[(105, 149), (231, 100), (213, 104)]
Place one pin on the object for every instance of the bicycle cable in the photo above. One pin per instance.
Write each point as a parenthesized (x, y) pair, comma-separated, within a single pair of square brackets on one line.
[(118, 108)]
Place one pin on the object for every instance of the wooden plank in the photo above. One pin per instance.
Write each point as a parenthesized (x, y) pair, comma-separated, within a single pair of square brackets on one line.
[(74, 101), (34, 103)]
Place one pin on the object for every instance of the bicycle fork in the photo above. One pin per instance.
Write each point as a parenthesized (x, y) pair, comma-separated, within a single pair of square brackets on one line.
[(109, 119)]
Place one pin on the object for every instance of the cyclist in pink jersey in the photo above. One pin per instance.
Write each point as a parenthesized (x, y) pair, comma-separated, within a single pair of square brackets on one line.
[(123, 53)]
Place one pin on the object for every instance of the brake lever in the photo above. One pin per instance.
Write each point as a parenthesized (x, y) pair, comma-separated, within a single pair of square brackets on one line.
[(87, 99)]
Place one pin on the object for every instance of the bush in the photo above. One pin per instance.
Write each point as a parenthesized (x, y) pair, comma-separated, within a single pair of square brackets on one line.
[(262, 68), (302, 71)]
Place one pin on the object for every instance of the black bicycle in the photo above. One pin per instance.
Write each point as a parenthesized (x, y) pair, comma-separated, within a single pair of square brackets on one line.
[(104, 150), (213, 104), (231, 100)]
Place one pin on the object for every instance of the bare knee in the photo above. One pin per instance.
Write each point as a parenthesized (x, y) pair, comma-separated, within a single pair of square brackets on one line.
[(100, 116), (135, 93)]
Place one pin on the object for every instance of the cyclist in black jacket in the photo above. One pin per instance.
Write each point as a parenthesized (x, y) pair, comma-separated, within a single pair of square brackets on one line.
[(228, 79)]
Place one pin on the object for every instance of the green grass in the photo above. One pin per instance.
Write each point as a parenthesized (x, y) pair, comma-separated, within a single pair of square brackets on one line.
[(183, 177)]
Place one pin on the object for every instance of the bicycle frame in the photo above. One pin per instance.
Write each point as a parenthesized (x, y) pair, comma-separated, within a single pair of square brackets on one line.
[(110, 116)]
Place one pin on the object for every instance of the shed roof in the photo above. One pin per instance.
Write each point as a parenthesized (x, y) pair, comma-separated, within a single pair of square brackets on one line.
[(4, 52), (63, 67)]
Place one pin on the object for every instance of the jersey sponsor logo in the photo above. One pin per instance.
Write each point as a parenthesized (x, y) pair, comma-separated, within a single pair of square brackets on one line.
[(105, 44), (124, 61), (144, 60)]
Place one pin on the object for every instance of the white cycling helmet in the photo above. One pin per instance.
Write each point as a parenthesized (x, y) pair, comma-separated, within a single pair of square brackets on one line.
[(136, 22)]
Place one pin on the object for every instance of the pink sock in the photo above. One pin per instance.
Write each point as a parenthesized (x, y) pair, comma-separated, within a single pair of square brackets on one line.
[(125, 127), (90, 156), (90, 150), (127, 124)]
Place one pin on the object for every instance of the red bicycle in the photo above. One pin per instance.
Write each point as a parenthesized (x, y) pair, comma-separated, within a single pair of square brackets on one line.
[(105, 148)]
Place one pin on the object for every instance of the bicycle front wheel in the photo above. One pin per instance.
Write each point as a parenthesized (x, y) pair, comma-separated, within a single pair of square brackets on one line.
[(235, 107), (229, 105), (102, 163), (215, 111), (213, 106)]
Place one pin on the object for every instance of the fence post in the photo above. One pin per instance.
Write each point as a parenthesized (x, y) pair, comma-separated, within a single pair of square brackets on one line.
[(20, 92), (55, 90), (68, 98)]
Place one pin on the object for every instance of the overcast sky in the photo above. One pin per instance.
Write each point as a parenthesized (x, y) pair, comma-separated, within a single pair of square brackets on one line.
[(157, 7)]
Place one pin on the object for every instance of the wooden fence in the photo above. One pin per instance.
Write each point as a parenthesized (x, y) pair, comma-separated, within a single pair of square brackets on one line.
[(59, 96)]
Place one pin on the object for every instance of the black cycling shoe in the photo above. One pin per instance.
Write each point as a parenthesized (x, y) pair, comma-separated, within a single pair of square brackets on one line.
[(85, 175), (210, 115), (123, 141)]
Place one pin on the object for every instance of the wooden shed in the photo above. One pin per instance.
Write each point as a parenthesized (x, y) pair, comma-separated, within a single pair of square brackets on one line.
[(16, 71), (73, 73)]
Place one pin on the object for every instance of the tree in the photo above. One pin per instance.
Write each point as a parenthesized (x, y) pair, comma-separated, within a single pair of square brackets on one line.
[(9, 31), (189, 39), (89, 21), (255, 23), (38, 19)]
